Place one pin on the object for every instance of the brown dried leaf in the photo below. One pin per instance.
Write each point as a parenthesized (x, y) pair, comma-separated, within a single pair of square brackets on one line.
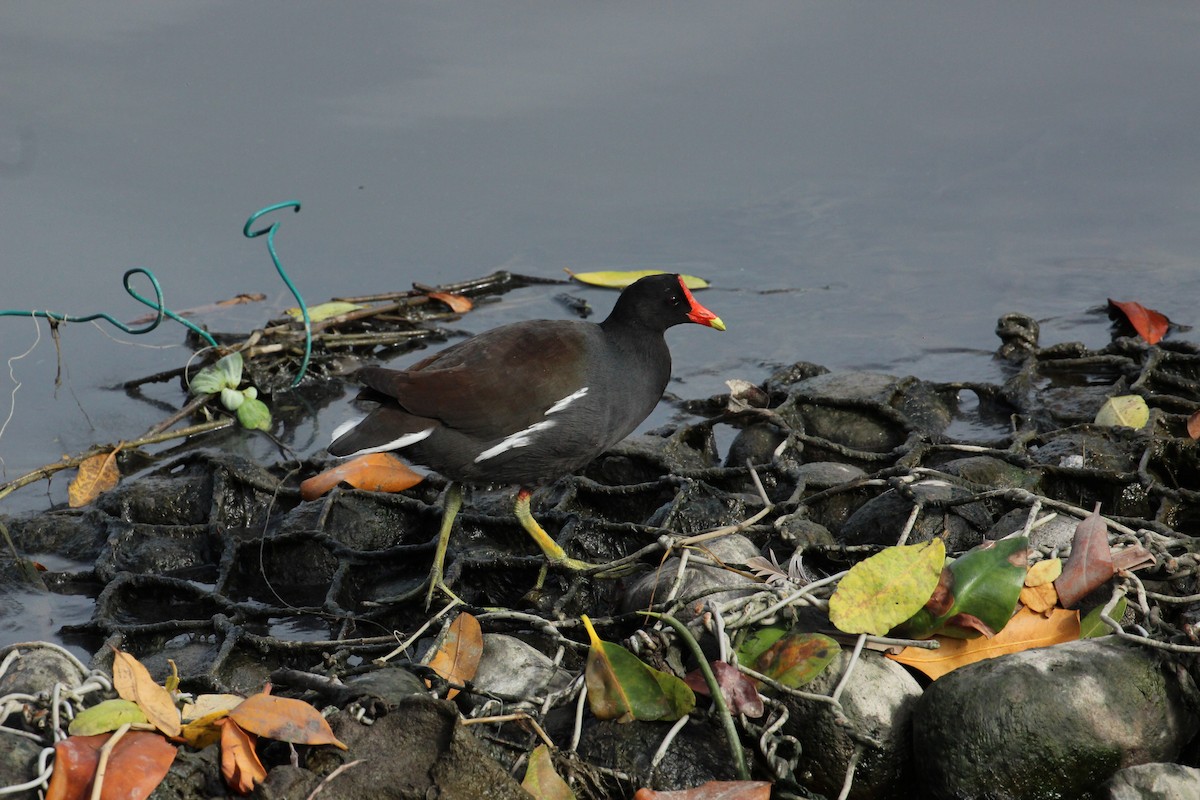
[(1193, 425), (739, 689), (284, 719), (457, 302), (240, 764), (713, 790), (132, 681), (97, 474), (1090, 564), (457, 659)]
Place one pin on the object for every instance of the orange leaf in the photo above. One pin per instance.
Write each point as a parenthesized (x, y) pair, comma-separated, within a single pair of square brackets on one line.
[(133, 682), (1025, 631), (240, 765), (1193, 425), (458, 658), (374, 472), (1149, 324), (97, 475), (458, 304), (1040, 598), (713, 790), (138, 763), (284, 719)]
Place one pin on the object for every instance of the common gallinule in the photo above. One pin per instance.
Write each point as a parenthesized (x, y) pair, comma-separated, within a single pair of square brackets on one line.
[(526, 403)]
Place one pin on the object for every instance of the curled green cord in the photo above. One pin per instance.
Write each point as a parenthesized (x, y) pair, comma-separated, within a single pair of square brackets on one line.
[(270, 232), (160, 310)]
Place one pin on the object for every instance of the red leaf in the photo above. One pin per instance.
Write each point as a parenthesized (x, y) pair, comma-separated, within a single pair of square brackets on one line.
[(138, 763), (741, 695), (1193, 425), (713, 790), (1090, 564), (1149, 324)]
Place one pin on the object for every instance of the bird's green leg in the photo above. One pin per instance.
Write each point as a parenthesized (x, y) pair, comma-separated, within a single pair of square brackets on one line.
[(452, 504), (554, 553)]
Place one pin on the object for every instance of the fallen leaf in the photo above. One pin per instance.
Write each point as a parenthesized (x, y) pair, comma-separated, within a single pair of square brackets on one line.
[(884, 590), (1025, 631), (1090, 564), (284, 719), (97, 474), (457, 302), (374, 472), (1093, 626), (240, 765), (132, 681), (106, 717), (1127, 410), (541, 780), (1193, 425), (739, 689), (137, 764), (1132, 557), (1151, 325), (713, 790), (757, 642), (1039, 598), (619, 279), (209, 703), (457, 659), (323, 311), (1045, 571), (623, 688), (797, 658), (977, 592)]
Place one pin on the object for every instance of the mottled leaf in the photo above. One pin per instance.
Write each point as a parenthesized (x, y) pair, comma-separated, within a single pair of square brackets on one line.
[(977, 592), (797, 658), (621, 687), (755, 644), (882, 591), (97, 474), (739, 690)]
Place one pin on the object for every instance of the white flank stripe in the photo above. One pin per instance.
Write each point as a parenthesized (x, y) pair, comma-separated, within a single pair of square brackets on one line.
[(515, 440), (395, 444), (566, 401)]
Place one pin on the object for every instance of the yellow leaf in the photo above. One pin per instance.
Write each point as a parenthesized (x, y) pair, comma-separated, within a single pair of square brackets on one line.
[(457, 659), (97, 475), (133, 682), (619, 279), (1045, 571), (880, 592), (1039, 598), (1128, 410), (541, 780), (207, 704), (323, 311), (1025, 631)]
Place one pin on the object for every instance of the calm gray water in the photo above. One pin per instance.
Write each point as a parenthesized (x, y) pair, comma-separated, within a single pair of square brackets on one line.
[(867, 184)]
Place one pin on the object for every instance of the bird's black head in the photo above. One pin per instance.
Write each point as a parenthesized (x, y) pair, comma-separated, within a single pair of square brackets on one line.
[(660, 301)]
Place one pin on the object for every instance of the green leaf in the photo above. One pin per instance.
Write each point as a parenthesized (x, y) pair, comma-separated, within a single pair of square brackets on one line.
[(797, 658), (977, 593), (226, 373), (757, 643), (541, 780), (621, 687), (1092, 626), (254, 415), (882, 591), (1128, 410), (318, 313), (232, 399), (619, 279), (105, 717)]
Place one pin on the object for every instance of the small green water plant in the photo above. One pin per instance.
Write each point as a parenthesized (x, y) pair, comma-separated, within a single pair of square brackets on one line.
[(223, 378)]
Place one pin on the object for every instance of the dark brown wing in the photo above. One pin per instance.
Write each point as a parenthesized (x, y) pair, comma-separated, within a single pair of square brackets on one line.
[(492, 384)]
